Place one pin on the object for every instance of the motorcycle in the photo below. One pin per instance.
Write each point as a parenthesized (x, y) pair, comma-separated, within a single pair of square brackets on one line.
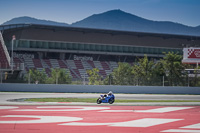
[(106, 99)]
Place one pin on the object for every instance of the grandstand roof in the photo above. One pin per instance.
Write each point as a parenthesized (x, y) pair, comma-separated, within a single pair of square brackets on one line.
[(96, 36)]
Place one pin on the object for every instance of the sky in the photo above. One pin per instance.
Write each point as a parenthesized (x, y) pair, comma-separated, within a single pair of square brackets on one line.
[(186, 12)]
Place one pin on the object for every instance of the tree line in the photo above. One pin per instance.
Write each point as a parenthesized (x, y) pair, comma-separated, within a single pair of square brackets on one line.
[(57, 76), (168, 71)]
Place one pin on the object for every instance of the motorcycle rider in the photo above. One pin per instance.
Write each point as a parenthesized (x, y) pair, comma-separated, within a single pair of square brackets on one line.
[(106, 98), (108, 94)]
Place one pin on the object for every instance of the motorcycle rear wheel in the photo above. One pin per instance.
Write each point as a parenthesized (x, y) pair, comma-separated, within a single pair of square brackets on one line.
[(111, 101)]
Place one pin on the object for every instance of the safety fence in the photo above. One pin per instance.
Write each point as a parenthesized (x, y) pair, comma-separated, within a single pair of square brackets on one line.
[(98, 89)]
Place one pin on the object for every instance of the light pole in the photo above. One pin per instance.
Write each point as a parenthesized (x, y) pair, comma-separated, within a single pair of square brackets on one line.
[(56, 78), (29, 77), (163, 80), (1, 76), (84, 79), (13, 38), (188, 79), (110, 79), (166, 73)]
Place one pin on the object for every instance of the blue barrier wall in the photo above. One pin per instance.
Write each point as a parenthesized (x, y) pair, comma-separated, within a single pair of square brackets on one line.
[(98, 89)]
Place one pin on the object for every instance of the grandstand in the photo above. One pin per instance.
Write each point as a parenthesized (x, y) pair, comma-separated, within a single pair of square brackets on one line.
[(4, 56), (79, 49)]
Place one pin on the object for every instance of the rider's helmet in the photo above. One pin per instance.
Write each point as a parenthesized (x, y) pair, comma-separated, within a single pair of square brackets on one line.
[(110, 93)]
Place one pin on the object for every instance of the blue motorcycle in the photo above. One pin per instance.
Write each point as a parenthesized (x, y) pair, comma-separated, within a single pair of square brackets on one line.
[(109, 98)]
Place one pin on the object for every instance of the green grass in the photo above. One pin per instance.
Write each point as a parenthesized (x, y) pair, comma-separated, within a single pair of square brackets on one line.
[(90, 100), (93, 100)]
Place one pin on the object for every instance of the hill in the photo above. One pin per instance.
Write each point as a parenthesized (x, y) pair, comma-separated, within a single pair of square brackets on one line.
[(29, 20), (120, 20)]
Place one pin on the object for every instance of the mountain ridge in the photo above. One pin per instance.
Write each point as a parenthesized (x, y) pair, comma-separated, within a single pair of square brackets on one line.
[(119, 20), (130, 22), (31, 20)]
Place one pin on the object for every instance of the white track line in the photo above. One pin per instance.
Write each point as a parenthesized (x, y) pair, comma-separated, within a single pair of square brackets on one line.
[(193, 126), (164, 110), (64, 108), (157, 110), (146, 122), (181, 131), (8, 107), (41, 119)]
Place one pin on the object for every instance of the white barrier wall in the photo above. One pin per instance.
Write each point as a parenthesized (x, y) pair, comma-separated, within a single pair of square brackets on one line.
[(98, 89)]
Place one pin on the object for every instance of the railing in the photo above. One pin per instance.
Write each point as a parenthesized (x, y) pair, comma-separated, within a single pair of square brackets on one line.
[(5, 49)]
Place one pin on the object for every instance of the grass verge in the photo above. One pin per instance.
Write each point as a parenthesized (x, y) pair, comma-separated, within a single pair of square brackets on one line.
[(93, 100)]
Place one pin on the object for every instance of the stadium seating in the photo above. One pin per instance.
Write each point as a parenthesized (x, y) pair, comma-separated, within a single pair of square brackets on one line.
[(71, 64), (91, 63), (105, 65), (29, 63), (54, 63), (103, 73), (86, 65), (37, 63), (98, 65), (73, 75), (4, 56), (78, 64), (47, 63), (17, 63), (83, 73), (113, 65), (3, 60), (77, 69), (62, 64)]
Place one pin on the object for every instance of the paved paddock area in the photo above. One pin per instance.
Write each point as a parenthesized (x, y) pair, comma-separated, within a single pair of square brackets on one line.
[(98, 119)]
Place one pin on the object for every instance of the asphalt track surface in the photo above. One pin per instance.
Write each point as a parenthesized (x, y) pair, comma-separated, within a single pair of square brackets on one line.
[(6, 98), (34, 117), (98, 119)]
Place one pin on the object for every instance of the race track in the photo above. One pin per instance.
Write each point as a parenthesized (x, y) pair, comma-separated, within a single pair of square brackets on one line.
[(98, 119), (36, 117), (17, 95), (6, 98)]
